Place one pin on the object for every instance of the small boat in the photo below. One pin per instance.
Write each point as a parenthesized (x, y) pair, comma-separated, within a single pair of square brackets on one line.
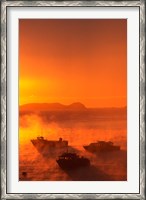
[(48, 147), (70, 161), (101, 146)]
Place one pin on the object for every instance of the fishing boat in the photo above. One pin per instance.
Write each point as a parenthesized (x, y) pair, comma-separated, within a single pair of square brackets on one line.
[(48, 147), (101, 146), (70, 161)]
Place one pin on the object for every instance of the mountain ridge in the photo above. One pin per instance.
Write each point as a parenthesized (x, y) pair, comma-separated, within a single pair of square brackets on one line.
[(52, 106)]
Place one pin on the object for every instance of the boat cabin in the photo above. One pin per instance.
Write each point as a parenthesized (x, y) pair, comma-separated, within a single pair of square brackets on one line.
[(40, 138)]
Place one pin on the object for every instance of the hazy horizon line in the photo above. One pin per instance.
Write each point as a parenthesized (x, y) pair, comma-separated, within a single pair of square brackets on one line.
[(103, 107)]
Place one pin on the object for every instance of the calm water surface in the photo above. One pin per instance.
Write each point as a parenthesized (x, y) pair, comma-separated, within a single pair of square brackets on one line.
[(79, 128)]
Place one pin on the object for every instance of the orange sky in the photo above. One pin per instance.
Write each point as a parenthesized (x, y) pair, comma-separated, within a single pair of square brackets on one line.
[(73, 60)]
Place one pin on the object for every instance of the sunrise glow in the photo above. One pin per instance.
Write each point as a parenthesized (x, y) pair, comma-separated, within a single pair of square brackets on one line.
[(70, 61)]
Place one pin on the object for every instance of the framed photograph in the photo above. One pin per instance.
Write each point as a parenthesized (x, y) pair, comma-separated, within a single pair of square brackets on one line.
[(73, 99)]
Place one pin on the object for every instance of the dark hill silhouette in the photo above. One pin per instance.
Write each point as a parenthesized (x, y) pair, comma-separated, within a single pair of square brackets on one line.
[(76, 106), (51, 106)]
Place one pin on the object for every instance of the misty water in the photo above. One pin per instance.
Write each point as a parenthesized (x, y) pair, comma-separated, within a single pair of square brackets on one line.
[(79, 128)]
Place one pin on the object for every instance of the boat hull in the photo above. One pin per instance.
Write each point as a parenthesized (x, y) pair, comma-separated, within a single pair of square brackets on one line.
[(101, 149), (73, 164), (47, 148)]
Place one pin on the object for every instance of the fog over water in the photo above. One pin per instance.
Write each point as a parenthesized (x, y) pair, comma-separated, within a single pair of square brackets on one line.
[(79, 128)]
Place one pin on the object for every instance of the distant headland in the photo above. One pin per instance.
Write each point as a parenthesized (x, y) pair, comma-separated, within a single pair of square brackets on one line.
[(77, 106), (52, 106)]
